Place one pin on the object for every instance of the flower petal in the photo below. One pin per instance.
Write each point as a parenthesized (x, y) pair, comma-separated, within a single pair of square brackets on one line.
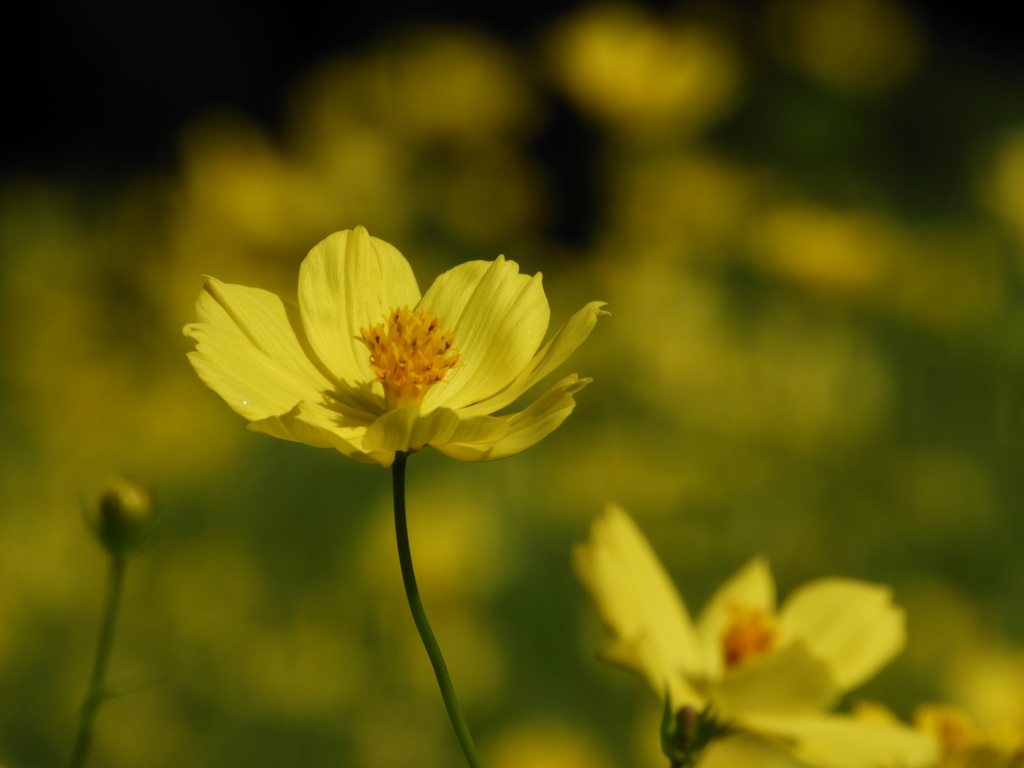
[(407, 429), (789, 681), (304, 424), (398, 430), (447, 296), (498, 318), (526, 428), (479, 429), (250, 351), (347, 282), (840, 741), (852, 625), (751, 588), (553, 354), (651, 629), (745, 750)]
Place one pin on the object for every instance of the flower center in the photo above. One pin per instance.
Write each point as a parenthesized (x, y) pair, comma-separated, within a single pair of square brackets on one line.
[(750, 634), (954, 731), (409, 353)]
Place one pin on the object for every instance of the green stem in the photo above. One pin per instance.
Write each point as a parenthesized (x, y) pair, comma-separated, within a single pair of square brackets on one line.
[(444, 682), (96, 694)]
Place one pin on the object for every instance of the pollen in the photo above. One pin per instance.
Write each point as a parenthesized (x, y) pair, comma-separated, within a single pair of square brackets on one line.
[(409, 353), (749, 634)]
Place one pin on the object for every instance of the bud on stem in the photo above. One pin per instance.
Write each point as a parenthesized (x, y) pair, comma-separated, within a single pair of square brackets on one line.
[(123, 518), (685, 734)]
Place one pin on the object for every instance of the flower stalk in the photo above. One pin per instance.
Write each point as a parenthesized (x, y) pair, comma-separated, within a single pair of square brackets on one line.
[(686, 733), (121, 521), (419, 616), (97, 692)]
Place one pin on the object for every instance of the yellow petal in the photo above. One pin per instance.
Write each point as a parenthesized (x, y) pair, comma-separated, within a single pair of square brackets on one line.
[(840, 741), (304, 424), (745, 750), (498, 318), (619, 652), (447, 296), (347, 282), (852, 625), (398, 430), (479, 429), (788, 681), (553, 354), (638, 603), (249, 350), (526, 428), (407, 429), (752, 587)]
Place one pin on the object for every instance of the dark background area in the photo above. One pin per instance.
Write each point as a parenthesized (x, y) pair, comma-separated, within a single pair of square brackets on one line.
[(101, 89)]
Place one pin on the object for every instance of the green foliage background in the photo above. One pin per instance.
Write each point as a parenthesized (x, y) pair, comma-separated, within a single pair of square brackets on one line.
[(808, 226)]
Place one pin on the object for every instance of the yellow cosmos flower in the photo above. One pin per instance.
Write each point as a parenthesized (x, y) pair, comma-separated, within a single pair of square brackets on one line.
[(952, 727), (773, 674), (369, 366), (963, 744)]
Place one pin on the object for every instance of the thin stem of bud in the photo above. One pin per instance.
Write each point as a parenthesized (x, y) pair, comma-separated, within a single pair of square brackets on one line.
[(97, 694), (420, 617)]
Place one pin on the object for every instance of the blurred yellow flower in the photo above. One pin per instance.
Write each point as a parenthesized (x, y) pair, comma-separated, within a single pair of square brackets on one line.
[(987, 678), (1004, 187), (773, 674), (851, 45), (452, 84), (630, 68), (963, 744), (826, 250), (368, 366), (954, 730)]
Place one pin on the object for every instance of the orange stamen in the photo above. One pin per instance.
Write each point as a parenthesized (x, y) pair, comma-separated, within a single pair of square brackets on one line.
[(409, 353), (750, 634)]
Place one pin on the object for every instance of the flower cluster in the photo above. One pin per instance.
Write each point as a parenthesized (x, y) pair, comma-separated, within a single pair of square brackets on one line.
[(368, 365)]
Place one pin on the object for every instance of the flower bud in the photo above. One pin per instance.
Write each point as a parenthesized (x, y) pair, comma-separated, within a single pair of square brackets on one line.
[(687, 723), (123, 517), (685, 735)]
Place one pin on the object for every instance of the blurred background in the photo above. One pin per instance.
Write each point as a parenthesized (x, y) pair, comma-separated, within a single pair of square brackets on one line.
[(807, 217)]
